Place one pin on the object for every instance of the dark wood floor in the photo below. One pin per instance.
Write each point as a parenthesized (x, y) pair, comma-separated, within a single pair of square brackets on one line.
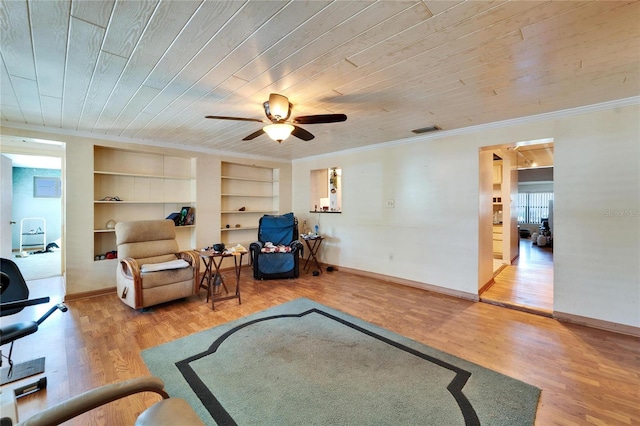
[(587, 376), (527, 284)]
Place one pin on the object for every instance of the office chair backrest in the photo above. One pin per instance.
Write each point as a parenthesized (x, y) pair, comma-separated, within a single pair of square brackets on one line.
[(15, 289)]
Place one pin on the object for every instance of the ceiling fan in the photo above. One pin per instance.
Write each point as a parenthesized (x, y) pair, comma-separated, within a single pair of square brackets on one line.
[(278, 110)]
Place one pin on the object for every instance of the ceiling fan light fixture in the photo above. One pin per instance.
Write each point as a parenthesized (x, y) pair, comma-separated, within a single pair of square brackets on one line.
[(279, 106), (279, 131)]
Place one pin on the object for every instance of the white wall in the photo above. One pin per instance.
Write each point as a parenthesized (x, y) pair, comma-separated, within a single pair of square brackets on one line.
[(597, 216), (431, 236)]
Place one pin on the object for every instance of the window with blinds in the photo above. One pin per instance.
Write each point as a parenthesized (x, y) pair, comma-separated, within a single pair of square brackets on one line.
[(533, 206)]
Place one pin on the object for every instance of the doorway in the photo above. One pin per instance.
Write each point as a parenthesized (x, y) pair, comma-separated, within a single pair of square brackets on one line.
[(523, 280), (33, 188)]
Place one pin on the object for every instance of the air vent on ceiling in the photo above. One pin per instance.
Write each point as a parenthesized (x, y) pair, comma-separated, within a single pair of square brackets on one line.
[(426, 129)]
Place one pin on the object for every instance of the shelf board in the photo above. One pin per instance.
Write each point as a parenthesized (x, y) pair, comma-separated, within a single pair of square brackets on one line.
[(144, 202), (249, 195), (105, 231), (248, 179), (248, 211), (242, 228), (102, 172)]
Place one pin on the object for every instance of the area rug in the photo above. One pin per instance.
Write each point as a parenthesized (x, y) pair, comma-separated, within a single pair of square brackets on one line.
[(303, 363)]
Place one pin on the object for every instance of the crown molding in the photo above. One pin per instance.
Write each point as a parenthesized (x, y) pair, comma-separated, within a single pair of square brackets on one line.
[(110, 138), (604, 106)]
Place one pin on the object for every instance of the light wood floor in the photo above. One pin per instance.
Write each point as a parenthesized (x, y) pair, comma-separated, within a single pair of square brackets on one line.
[(587, 376), (527, 284)]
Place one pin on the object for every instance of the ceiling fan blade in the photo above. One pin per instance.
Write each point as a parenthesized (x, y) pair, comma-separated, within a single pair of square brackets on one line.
[(253, 135), (221, 117), (320, 118), (301, 133)]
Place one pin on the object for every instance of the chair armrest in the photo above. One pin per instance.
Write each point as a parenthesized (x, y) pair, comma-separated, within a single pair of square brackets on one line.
[(95, 398), (297, 246), (190, 256), (256, 245), (130, 268), (193, 258)]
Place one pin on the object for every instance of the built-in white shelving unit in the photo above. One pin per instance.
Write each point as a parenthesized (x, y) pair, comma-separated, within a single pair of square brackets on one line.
[(134, 185), (247, 193)]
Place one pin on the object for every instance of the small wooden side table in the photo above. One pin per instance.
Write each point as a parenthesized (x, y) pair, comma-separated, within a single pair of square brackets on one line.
[(313, 244), (213, 259)]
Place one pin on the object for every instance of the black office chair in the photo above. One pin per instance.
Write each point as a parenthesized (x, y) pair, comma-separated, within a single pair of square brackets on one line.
[(15, 297)]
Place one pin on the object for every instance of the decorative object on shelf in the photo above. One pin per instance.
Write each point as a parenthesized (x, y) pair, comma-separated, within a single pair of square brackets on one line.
[(228, 226), (183, 215), (116, 198), (175, 217), (333, 180), (241, 209), (191, 217), (111, 224), (238, 225)]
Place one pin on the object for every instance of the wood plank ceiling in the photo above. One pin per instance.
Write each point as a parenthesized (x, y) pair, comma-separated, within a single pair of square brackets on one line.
[(150, 70)]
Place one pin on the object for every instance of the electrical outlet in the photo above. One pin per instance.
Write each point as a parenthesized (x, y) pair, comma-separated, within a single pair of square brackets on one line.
[(391, 204)]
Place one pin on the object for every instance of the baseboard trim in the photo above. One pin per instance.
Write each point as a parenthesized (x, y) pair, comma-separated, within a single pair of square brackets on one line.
[(415, 284), (518, 307), (93, 293), (487, 286), (596, 323), (559, 316)]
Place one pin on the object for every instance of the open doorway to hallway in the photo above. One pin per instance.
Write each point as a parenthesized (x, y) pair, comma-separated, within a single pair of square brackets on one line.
[(526, 284), (522, 279), (34, 192)]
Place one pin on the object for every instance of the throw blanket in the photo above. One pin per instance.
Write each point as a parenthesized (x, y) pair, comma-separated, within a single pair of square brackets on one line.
[(172, 264), (270, 248)]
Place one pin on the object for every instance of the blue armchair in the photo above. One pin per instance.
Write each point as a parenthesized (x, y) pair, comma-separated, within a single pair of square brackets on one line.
[(277, 252)]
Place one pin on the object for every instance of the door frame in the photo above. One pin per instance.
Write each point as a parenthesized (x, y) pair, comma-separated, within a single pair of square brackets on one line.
[(42, 148)]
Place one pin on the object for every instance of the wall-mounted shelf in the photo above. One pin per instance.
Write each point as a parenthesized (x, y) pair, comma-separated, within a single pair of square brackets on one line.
[(100, 231), (248, 195), (243, 228), (247, 179), (102, 172), (249, 212)]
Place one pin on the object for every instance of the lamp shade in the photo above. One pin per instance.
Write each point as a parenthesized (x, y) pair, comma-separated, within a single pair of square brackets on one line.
[(279, 106), (279, 131)]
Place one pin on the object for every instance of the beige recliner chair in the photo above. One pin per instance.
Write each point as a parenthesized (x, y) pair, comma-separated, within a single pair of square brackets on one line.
[(151, 270)]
